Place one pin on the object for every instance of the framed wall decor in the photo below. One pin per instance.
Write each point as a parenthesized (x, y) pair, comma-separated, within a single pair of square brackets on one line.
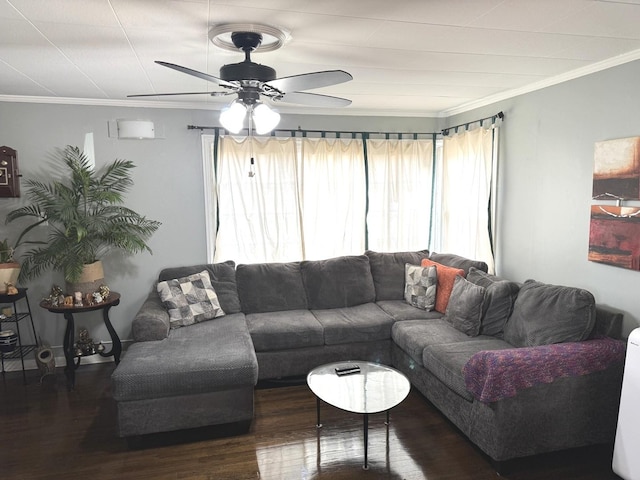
[(614, 231), (9, 174), (616, 172)]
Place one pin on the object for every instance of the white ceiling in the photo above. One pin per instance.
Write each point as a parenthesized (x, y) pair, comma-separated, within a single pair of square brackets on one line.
[(407, 57)]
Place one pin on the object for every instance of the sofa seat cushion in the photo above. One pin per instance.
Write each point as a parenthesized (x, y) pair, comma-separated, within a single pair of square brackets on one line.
[(544, 314), (446, 361), (401, 310), (338, 282), (284, 330), (361, 323), (204, 357), (412, 336), (388, 271), (270, 287)]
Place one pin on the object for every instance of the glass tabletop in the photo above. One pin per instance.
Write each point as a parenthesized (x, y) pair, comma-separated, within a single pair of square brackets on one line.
[(376, 388)]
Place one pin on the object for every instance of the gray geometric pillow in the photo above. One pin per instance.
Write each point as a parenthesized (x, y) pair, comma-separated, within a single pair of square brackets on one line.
[(190, 299), (420, 286)]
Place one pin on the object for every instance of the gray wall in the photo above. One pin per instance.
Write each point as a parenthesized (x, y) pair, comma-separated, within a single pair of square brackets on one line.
[(545, 184), (545, 180), (168, 186)]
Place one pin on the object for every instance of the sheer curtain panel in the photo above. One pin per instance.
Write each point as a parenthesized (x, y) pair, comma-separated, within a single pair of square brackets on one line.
[(400, 182), (333, 190), (464, 192), (259, 216)]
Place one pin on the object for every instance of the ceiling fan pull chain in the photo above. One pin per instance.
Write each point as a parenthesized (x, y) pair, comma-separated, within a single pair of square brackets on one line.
[(252, 163)]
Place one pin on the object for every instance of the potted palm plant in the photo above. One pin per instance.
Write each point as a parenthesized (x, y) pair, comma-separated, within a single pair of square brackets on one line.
[(86, 220)]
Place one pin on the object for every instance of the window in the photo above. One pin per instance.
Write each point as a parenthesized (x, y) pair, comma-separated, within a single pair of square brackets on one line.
[(314, 198)]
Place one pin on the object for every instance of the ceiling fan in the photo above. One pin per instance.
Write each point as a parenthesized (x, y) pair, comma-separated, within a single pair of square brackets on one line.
[(250, 81)]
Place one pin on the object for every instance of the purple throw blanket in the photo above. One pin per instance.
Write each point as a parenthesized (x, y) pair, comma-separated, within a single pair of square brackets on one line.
[(492, 375)]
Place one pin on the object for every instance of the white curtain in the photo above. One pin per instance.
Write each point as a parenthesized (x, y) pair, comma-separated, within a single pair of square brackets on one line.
[(308, 197), (463, 195), (259, 216), (400, 181), (333, 191), (305, 201)]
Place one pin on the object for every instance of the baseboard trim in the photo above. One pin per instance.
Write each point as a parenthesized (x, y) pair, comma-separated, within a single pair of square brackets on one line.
[(15, 365)]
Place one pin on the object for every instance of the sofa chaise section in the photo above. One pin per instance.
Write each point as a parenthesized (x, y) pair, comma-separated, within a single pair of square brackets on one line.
[(200, 375)]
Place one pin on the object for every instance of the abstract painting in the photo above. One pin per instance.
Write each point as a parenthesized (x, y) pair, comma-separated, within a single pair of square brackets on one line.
[(616, 173), (614, 236)]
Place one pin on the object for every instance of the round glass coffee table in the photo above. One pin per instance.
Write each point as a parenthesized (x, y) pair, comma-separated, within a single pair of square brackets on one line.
[(358, 387)]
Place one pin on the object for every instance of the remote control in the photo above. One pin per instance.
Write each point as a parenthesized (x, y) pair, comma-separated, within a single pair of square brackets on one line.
[(347, 370)]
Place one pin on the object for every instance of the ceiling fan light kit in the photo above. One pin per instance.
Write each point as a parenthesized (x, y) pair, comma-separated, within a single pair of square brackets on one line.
[(232, 116), (264, 118), (250, 80)]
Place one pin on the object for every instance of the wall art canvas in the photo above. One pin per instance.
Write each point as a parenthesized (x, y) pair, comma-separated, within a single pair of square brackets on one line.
[(614, 236), (616, 173)]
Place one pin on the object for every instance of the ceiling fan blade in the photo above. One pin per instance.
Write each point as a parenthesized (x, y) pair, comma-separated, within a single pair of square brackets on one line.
[(309, 81), (313, 99), (213, 94), (195, 73)]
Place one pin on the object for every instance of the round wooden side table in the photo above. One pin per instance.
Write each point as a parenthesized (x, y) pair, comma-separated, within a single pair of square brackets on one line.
[(73, 360)]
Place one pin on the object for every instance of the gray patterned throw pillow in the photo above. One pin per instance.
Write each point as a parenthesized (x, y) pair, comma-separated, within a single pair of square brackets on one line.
[(420, 286), (190, 299)]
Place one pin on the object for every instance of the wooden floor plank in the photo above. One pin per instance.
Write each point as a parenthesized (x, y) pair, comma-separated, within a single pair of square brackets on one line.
[(47, 432)]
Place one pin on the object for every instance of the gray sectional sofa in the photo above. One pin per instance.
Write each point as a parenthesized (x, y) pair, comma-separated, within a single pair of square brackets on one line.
[(540, 371)]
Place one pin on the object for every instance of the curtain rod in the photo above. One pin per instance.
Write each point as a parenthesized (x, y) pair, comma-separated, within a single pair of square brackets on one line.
[(293, 131), (500, 115)]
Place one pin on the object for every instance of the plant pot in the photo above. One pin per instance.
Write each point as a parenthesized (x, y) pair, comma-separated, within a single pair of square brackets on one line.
[(8, 274), (90, 280)]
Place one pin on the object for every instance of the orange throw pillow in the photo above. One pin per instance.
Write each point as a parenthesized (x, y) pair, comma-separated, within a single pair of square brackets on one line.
[(446, 277)]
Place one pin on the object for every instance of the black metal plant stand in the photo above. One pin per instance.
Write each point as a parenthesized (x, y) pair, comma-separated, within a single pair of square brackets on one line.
[(18, 314)]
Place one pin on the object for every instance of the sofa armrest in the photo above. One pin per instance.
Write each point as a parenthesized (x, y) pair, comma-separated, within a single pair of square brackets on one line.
[(152, 320), (492, 375)]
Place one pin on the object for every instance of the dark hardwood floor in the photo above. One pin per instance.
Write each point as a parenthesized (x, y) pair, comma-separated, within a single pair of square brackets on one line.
[(49, 433)]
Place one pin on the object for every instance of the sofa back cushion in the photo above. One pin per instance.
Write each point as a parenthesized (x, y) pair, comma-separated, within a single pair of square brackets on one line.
[(388, 271), (456, 261), (544, 314), (223, 280), (270, 287), (500, 295), (338, 282)]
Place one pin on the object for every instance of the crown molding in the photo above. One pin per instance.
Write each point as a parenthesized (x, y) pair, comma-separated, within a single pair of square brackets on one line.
[(483, 102), (104, 102), (532, 87)]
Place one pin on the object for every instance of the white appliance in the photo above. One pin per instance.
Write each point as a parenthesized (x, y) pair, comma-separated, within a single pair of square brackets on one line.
[(626, 453)]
